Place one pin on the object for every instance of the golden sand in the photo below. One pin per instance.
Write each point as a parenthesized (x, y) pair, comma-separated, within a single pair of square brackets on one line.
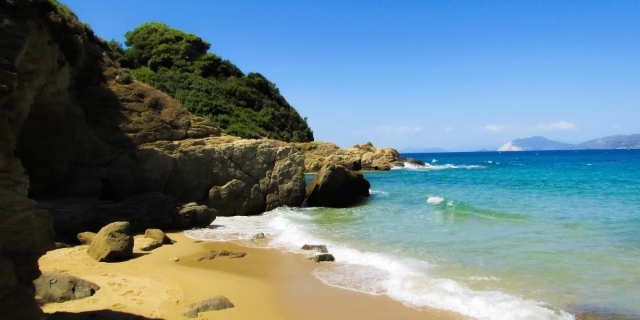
[(265, 284)]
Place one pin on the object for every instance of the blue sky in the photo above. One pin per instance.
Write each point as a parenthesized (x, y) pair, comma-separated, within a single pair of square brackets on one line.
[(460, 75)]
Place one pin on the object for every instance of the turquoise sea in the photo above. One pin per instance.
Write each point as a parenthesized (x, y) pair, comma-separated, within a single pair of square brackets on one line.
[(511, 235)]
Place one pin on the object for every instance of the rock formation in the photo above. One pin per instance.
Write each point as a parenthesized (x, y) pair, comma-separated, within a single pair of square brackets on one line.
[(359, 157), (61, 287), (113, 243), (335, 186), (81, 137)]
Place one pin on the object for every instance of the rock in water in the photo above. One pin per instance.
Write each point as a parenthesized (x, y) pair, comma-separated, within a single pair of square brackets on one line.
[(86, 237), (215, 303), (146, 244), (327, 257), (258, 236), (335, 186), (317, 247), (61, 287), (113, 243), (157, 235)]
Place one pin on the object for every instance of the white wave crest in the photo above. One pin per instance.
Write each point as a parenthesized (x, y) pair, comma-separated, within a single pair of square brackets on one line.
[(435, 200), (402, 279)]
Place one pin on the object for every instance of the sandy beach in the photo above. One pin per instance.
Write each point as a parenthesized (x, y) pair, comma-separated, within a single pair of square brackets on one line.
[(265, 284)]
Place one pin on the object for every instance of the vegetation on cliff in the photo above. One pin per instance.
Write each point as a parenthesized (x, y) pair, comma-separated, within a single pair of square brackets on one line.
[(248, 106)]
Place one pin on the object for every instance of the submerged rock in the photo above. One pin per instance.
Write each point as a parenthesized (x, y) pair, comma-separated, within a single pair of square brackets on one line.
[(60, 287), (335, 186), (113, 243), (215, 303), (317, 247), (258, 236)]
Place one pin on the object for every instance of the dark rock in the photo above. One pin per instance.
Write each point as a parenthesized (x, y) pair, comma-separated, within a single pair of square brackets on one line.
[(158, 235), (60, 287), (258, 236), (326, 257), (215, 303), (113, 243), (415, 162), (335, 186), (192, 215), (86, 237), (317, 247)]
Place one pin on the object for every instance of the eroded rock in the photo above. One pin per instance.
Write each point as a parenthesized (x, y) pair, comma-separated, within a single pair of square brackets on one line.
[(113, 243), (359, 157), (61, 287)]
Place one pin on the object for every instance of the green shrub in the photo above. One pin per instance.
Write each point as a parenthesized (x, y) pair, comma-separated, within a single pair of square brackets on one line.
[(248, 106)]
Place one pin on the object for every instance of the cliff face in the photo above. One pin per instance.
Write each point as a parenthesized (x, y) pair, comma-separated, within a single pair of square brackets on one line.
[(77, 129)]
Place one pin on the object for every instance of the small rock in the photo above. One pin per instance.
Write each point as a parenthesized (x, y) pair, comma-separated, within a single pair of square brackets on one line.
[(62, 245), (215, 303), (174, 259), (145, 244), (197, 241), (327, 257), (258, 236), (113, 243), (224, 253), (60, 287), (318, 247), (158, 235), (86, 237)]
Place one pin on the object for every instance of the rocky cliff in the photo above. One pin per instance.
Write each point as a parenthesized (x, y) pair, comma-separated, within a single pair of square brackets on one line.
[(84, 140), (359, 157)]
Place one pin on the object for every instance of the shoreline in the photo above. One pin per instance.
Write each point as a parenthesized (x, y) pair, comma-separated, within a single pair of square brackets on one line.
[(265, 284)]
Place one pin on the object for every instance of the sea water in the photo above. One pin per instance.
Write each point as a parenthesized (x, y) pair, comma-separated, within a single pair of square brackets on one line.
[(491, 235)]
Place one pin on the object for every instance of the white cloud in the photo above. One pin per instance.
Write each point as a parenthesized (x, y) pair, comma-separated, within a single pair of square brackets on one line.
[(494, 128), (562, 125)]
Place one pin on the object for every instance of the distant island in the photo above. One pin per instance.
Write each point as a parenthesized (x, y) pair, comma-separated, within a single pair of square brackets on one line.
[(542, 143), (422, 150)]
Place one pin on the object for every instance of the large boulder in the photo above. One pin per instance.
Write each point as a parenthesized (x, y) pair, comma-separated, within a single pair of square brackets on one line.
[(232, 176), (335, 186), (61, 287), (113, 243)]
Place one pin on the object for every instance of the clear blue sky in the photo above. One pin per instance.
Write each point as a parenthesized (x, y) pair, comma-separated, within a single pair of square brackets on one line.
[(460, 75)]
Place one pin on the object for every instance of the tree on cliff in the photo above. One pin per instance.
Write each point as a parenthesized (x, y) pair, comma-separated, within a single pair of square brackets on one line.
[(176, 62)]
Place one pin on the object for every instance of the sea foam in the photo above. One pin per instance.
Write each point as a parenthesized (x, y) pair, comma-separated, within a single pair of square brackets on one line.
[(404, 279)]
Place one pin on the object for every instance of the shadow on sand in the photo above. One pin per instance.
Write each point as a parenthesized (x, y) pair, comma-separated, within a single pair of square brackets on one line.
[(96, 315)]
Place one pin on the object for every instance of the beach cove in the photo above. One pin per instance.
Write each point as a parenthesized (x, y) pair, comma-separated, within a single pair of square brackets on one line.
[(266, 284)]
